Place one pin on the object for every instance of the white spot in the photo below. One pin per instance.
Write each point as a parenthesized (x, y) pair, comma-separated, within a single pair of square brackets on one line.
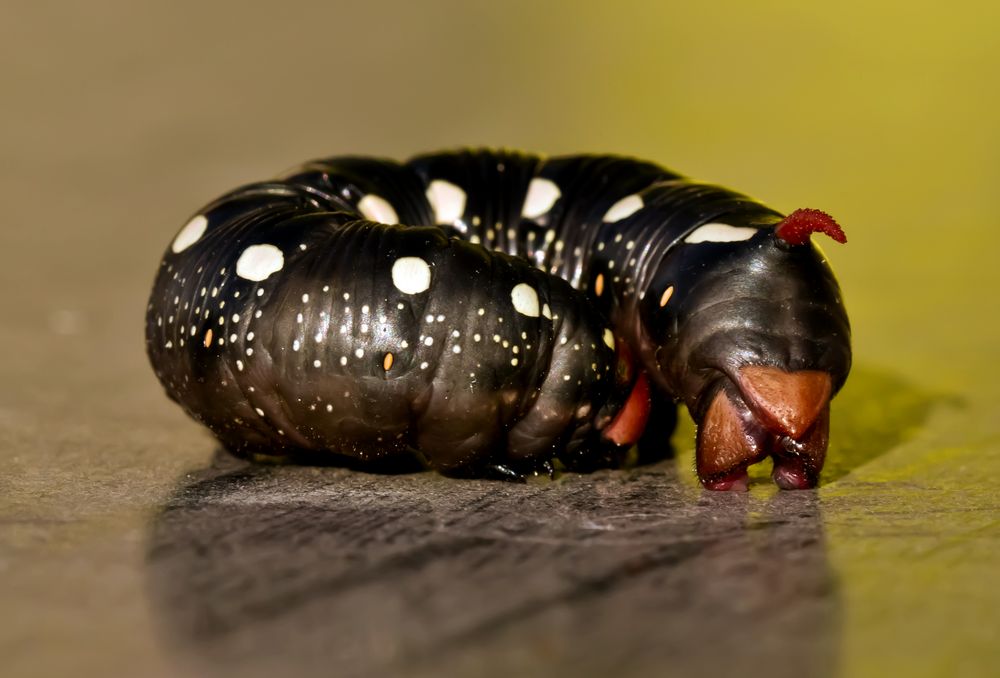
[(258, 262), (360, 352), (609, 338), (423, 365), (259, 411), (343, 360), (305, 298), (169, 344), (525, 299), (477, 337), (447, 199), (624, 208), (190, 234), (456, 349), (329, 408), (542, 195), (250, 336), (715, 232), (428, 341), (377, 208), (317, 363), (236, 317), (513, 361), (481, 311), (546, 311), (296, 345), (239, 365), (411, 275)]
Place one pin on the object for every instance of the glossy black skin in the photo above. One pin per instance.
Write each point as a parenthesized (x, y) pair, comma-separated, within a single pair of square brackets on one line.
[(756, 301)]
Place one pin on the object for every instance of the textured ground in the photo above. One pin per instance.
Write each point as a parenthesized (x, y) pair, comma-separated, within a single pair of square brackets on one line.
[(128, 546)]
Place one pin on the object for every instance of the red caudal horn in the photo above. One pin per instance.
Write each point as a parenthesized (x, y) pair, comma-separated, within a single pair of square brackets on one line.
[(796, 228)]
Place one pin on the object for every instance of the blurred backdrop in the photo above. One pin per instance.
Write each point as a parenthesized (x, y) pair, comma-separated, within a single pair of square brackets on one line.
[(118, 119)]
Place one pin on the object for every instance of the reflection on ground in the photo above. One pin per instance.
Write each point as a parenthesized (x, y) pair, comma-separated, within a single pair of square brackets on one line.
[(303, 571)]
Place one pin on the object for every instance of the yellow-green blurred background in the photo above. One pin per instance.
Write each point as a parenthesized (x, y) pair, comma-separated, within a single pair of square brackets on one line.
[(119, 118)]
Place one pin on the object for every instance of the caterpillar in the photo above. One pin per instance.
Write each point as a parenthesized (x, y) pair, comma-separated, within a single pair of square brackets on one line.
[(493, 312)]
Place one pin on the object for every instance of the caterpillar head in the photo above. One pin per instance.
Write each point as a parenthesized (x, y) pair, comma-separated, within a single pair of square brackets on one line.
[(747, 325)]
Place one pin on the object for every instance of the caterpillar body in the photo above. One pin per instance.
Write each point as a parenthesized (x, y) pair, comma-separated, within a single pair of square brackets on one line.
[(494, 312)]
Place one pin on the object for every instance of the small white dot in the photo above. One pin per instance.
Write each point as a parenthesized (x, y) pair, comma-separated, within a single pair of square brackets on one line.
[(236, 317), (456, 349), (364, 309), (296, 345), (428, 341), (316, 363), (525, 299), (190, 234), (305, 298), (716, 232), (360, 352), (513, 361), (377, 208), (423, 365), (447, 200), (623, 209), (249, 352), (259, 411), (411, 275), (343, 360), (239, 365)]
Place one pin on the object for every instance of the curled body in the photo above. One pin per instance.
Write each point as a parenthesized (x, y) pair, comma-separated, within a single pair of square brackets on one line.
[(493, 311)]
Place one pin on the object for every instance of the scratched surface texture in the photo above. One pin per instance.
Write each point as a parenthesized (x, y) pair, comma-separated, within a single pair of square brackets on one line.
[(129, 545)]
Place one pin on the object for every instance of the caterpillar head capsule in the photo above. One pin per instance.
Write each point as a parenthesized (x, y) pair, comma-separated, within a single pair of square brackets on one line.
[(757, 345)]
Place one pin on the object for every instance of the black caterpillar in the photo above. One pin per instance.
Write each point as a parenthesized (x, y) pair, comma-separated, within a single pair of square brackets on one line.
[(492, 311)]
